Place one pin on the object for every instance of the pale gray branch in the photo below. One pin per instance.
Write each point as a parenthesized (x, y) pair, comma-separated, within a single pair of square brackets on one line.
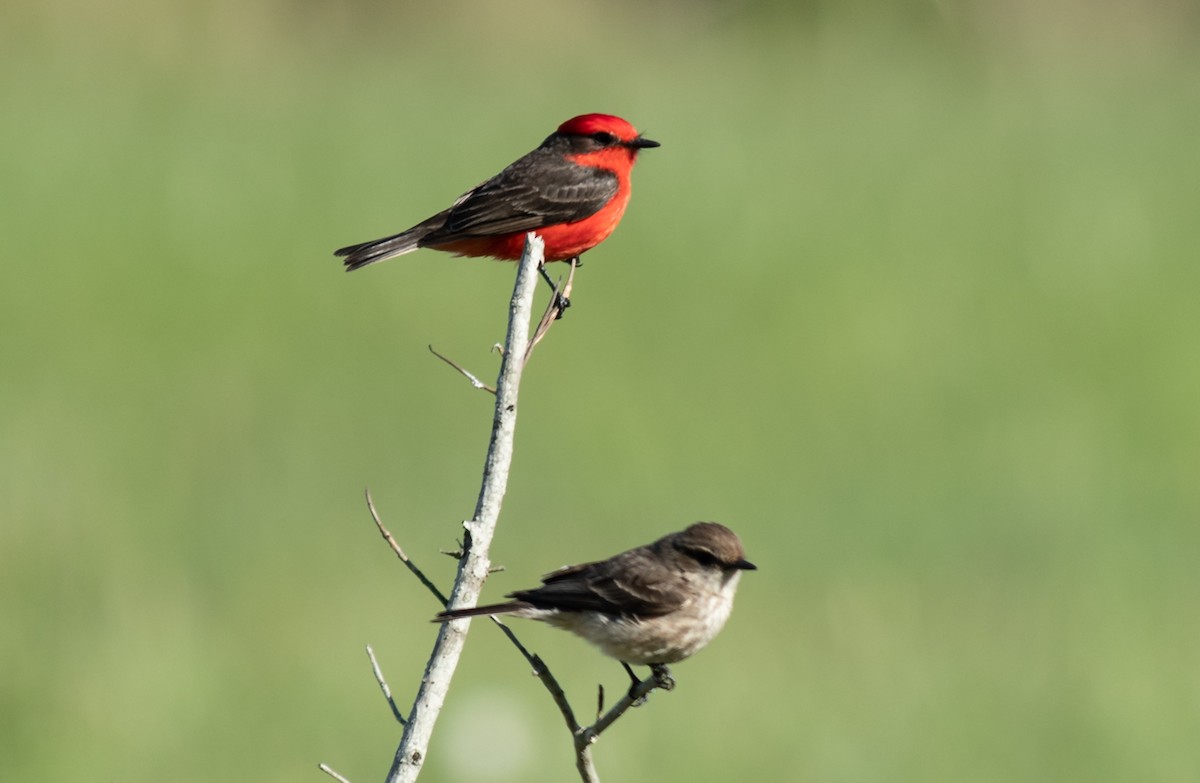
[(474, 565), (383, 686)]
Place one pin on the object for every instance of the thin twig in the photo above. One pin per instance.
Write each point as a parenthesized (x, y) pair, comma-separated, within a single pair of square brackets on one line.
[(543, 673), (328, 770), (478, 384), (387, 536), (587, 736), (474, 565), (383, 686), (635, 696), (583, 736)]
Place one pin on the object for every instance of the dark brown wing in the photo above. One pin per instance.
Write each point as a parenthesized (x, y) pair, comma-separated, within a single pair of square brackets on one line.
[(541, 189), (628, 584)]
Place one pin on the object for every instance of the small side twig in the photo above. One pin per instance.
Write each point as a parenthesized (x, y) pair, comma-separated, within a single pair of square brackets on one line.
[(387, 536), (634, 696), (383, 686), (543, 673), (328, 770), (478, 384)]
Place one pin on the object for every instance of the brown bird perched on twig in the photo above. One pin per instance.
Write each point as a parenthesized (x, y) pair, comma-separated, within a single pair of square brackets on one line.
[(651, 606)]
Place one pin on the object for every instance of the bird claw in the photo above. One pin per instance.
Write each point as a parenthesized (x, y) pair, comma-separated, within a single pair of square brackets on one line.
[(662, 677), (561, 303)]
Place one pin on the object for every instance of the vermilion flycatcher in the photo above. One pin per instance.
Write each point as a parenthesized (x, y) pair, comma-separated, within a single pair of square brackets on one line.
[(653, 605), (572, 190)]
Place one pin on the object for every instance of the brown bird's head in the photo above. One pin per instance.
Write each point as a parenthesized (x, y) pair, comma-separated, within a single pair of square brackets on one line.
[(712, 545)]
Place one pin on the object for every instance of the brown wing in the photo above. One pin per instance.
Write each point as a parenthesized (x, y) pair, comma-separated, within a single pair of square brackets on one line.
[(628, 584)]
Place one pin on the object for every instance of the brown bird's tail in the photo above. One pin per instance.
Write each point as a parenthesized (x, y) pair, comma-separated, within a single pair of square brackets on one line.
[(476, 611)]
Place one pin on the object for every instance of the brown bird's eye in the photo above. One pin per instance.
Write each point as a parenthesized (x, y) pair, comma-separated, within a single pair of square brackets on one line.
[(605, 138)]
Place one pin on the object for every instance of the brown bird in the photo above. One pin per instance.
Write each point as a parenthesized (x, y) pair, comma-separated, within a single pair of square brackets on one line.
[(651, 606)]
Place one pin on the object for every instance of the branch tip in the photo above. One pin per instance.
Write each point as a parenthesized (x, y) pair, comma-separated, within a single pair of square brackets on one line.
[(328, 770)]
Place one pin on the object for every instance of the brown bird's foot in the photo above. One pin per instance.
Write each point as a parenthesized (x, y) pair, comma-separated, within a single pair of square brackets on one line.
[(662, 676), (662, 679)]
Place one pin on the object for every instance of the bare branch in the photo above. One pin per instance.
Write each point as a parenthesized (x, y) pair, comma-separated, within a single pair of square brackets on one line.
[(383, 686), (387, 536), (584, 737), (542, 671), (478, 384), (474, 565), (328, 770), (587, 736)]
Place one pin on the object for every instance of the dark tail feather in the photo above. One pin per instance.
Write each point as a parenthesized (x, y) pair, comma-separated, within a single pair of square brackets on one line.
[(357, 256), (476, 611), (396, 245)]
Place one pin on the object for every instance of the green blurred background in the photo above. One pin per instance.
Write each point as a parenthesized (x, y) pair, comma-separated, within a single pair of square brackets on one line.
[(908, 298)]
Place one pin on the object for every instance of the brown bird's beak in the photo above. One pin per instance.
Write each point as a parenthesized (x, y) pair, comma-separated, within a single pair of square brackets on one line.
[(643, 144), (745, 565)]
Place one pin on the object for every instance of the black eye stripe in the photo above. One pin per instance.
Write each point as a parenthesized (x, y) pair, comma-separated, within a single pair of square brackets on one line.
[(605, 138)]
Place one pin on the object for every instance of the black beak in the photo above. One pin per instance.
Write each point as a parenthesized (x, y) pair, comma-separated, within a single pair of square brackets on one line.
[(643, 144), (745, 565)]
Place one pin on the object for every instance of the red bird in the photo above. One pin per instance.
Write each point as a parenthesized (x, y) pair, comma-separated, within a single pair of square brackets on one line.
[(572, 190)]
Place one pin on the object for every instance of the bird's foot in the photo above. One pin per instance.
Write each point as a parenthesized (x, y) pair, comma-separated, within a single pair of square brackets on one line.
[(662, 679), (662, 676), (634, 682), (561, 303)]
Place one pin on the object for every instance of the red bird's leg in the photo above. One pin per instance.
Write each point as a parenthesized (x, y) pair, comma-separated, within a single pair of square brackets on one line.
[(560, 300)]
